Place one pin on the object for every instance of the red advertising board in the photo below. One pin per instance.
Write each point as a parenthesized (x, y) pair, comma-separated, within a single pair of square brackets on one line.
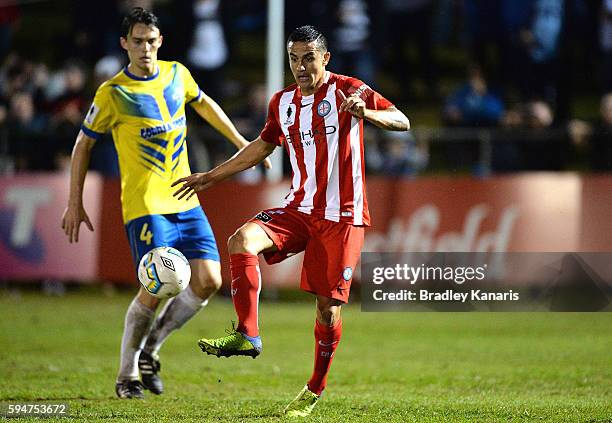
[(32, 243), (543, 212)]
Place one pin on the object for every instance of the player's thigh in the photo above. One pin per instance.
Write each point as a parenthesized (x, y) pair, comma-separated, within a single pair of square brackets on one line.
[(250, 238), (287, 229), (205, 274), (196, 239), (148, 232), (330, 260)]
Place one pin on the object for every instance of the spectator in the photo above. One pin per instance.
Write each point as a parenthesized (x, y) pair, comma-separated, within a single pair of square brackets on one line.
[(605, 40), (597, 138), (26, 131), (208, 51), (473, 104), (530, 50), (351, 41), (403, 155), (408, 21), (530, 141), (67, 113)]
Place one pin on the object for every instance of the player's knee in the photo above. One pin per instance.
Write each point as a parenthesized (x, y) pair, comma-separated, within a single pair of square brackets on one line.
[(214, 282), (328, 311), (238, 242), (210, 282), (147, 299)]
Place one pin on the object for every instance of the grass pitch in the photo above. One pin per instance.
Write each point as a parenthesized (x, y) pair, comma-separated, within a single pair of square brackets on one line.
[(391, 367)]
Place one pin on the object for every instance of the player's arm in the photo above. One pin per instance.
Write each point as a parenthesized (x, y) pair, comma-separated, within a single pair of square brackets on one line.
[(391, 118), (75, 213), (249, 156), (214, 114)]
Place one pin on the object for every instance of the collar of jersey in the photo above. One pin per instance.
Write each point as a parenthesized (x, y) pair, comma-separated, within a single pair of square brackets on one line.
[(140, 78)]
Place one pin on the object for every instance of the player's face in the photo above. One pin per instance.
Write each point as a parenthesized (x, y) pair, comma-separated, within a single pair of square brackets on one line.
[(307, 65), (141, 46)]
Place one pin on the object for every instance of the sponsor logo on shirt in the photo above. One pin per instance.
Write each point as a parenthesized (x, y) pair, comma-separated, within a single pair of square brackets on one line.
[(311, 136), (163, 128), (91, 114)]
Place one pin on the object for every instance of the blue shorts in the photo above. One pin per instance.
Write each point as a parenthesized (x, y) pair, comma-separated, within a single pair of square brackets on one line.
[(189, 232)]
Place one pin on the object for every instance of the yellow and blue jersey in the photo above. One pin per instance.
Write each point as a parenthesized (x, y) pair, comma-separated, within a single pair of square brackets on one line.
[(147, 119)]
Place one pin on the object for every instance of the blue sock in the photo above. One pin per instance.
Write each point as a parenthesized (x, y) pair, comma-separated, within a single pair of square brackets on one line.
[(254, 340)]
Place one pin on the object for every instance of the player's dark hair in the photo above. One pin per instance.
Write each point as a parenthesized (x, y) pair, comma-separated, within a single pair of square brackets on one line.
[(307, 34), (138, 15)]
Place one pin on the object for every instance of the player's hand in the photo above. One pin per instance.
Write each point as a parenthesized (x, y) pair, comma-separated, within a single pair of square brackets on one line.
[(192, 184), (352, 104), (71, 222)]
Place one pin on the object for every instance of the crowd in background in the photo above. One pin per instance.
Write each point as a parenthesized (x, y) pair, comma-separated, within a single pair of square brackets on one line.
[(513, 76)]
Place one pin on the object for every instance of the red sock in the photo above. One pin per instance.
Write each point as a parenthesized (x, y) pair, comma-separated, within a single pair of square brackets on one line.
[(246, 284), (327, 339)]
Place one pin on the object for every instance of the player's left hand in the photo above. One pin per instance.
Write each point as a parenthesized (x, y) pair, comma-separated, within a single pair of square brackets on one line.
[(191, 184), (352, 104)]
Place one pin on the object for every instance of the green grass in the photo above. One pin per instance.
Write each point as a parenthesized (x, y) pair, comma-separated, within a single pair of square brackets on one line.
[(391, 367)]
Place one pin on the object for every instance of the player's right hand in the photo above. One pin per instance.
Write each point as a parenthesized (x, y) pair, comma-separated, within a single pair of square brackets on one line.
[(71, 222), (192, 184)]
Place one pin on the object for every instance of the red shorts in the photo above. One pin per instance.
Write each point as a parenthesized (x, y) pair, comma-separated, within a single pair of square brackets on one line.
[(331, 249)]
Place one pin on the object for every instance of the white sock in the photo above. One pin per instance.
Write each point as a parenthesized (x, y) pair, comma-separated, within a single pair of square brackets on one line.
[(138, 320), (175, 314)]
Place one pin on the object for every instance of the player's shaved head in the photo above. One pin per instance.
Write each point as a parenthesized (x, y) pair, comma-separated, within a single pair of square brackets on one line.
[(136, 16), (308, 34)]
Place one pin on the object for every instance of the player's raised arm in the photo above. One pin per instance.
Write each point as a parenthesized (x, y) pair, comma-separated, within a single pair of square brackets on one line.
[(214, 114), (391, 118), (249, 156), (75, 213)]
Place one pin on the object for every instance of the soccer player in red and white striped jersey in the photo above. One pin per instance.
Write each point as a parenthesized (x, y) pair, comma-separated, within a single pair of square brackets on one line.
[(319, 122)]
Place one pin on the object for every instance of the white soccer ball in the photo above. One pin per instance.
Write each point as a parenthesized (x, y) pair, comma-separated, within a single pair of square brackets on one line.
[(164, 272)]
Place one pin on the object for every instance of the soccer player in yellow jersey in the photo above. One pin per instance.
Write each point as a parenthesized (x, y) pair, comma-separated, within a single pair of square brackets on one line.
[(144, 108)]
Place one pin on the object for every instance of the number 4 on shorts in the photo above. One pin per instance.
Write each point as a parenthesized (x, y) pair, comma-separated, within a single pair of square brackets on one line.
[(145, 234)]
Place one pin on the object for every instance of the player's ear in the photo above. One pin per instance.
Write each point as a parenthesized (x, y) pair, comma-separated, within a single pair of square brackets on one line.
[(326, 57), (161, 40), (123, 42)]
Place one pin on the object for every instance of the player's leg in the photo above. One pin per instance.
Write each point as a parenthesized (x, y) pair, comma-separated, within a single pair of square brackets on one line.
[(243, 246), (276, 233), (196, 240), (329, 260), (138, 319), (144, 233), (327, 332), (205, 281)]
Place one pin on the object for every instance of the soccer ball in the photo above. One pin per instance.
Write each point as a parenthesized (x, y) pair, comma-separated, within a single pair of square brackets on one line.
[(164, 272)]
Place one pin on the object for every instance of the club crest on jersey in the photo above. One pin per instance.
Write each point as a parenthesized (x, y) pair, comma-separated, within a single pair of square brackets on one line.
[(290, 114), (323, 108), (264, 217), (347, 274)]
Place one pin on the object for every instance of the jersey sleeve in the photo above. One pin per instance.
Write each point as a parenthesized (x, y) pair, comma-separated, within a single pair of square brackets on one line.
[(100, 117), (192, 90), (373, 100), (272, 132)]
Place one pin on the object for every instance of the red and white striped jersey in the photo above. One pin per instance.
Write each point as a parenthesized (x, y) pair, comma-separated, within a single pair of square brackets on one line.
[(325, 148)]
